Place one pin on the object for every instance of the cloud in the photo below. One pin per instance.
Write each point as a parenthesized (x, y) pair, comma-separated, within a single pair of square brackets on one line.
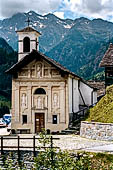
[(61, 8), (59, 14), (90, 8), (10, 7)]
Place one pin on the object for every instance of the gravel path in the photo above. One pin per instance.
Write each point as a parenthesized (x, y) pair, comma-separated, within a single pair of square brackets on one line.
[(66, 142)]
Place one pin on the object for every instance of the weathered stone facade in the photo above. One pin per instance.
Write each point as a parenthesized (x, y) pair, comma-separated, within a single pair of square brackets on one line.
[(97, 130), (26, 102), (44, 93)]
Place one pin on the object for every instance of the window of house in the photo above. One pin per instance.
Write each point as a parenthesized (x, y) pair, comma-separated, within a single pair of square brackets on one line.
[(54, 119), (24, 119)]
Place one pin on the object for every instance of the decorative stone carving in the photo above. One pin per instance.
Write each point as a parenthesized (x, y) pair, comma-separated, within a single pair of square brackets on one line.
[(55, 72), (39, 103), (24, 101), (39, 70), (23, 73), (33, 73), (55, 100)]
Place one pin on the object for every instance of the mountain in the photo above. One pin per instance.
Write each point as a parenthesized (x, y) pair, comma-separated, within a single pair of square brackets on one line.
[(51, 27), (7, 58), (77, 44), (83, 47)]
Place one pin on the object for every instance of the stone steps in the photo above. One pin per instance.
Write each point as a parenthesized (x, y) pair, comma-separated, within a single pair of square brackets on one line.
[(71, 130)]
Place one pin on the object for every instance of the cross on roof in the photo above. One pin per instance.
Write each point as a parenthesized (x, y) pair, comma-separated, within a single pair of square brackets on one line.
[(28, 21)]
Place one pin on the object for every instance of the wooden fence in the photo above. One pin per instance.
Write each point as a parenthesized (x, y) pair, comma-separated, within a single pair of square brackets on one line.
[(18, 147)]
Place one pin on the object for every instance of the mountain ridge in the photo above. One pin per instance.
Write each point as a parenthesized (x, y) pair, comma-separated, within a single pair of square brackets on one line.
[(73, 43)]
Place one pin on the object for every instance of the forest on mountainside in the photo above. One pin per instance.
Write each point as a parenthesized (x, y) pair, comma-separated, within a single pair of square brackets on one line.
[(7, 58)]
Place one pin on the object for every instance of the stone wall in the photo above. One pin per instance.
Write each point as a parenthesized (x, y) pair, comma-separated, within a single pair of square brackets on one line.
[(97, 130)]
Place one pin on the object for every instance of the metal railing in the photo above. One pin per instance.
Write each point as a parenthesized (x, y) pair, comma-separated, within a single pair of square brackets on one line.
[(81, 113)]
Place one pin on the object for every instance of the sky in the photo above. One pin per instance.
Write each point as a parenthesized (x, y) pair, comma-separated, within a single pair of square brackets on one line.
[(61, 8)]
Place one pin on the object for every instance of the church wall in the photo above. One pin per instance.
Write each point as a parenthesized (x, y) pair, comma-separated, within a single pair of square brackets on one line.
[(54, 102), (94, 97), (87, 93), (73, 98)]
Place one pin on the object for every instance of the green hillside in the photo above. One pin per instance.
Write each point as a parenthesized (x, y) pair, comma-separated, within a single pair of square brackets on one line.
[(103, 111), (7, 58)]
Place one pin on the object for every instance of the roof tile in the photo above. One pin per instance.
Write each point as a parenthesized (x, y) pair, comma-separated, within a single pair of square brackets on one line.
[(108, 57)]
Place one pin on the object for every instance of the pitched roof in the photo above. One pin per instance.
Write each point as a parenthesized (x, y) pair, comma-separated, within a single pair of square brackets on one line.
[(108, 57), (28, 29), (37, 55)]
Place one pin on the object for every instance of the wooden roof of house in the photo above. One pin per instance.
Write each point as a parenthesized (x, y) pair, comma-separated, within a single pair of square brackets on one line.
[(28, 29), (108, 57), (99, 85)]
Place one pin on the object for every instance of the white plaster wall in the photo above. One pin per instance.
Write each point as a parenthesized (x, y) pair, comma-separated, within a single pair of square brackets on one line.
[(86, 93), (70, 94), (75, 95), (94, 97), (32, 36)]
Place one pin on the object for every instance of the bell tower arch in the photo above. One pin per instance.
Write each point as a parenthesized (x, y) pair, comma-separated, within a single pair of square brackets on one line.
[(28, 40)]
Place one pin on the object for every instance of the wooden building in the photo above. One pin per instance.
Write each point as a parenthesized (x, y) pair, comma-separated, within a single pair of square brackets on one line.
[(107, 63)]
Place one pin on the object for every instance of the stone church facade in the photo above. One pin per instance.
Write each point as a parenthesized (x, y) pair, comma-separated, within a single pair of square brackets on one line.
[(44, 93)]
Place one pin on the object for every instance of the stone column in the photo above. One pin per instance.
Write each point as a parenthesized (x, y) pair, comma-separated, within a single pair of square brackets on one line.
[(29, 101), (49, 115), (62, 103), (67, 104), (17, 103)]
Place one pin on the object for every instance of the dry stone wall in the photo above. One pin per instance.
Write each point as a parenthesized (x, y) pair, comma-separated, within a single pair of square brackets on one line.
[(96, 130)]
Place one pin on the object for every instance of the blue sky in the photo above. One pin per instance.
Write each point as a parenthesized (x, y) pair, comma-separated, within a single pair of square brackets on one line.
[(61, 8)]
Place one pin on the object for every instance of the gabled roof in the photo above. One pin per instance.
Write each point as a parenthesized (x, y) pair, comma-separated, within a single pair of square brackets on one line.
[(108, 57), (28, 29), (37, 55)]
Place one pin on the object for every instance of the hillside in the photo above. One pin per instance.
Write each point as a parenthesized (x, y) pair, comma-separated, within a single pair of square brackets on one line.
[(103, 111), (77, 44), (7, 58)]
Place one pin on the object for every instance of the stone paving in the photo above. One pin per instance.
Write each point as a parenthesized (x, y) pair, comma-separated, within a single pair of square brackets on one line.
[(67, 142)]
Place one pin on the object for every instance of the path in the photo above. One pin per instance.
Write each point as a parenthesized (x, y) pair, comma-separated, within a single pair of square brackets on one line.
[(69, 142)]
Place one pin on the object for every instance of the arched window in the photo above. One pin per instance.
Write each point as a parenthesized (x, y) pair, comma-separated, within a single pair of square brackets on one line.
[(40, 91), (26, 44)]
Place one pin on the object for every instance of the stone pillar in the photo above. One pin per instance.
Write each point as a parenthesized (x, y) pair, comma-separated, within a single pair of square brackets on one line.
[(62, 104), (13, 103), (29, 101), (17, 104), (67, 104), (49, 115)]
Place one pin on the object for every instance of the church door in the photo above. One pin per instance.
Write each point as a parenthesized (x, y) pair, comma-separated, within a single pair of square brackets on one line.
[(39, 122)]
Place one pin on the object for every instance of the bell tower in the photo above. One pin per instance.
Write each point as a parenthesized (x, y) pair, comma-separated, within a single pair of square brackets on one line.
[(28, 40)]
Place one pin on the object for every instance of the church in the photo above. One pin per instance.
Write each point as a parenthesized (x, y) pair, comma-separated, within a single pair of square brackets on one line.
[(44, 93)]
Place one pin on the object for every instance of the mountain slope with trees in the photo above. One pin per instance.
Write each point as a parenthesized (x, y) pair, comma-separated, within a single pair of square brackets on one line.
[(7, 58), (77, 44)]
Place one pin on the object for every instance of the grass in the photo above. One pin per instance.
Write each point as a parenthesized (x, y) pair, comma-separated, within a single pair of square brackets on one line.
[(101, 160), (103, 111), (96, 161)]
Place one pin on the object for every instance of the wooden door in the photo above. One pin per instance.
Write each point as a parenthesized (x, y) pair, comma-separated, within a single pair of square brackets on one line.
[(39, 122)]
